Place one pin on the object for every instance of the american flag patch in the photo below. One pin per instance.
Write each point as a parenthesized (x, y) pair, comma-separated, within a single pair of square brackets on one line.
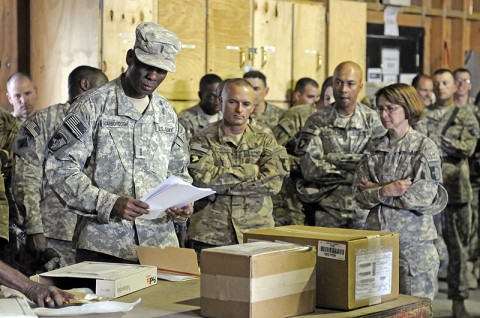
[(76, 127), (32, 128)]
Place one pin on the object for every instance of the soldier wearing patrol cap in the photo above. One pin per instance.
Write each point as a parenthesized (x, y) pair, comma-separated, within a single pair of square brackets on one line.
[(117, 143)]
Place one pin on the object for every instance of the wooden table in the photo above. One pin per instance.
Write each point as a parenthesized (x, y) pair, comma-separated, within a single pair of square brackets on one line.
[(182, 299)]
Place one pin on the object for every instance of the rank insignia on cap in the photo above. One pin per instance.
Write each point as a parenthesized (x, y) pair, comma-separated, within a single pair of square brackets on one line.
[(76, 127)]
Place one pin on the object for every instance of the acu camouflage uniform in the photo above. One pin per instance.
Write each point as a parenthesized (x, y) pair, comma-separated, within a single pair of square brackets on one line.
[(456, 145), (287, 208), (3, 212), (42, 210), (329, 153), (8, 130), (195, 119), (106, 149), (417, 158), (474, 167), (270, 116), (242, 200)]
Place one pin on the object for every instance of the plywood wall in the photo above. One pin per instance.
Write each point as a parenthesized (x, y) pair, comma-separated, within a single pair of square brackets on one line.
[(64, 35), (309, 46), (347, 33), (8, 46), (120, 18), (272, 40), (188, 20)]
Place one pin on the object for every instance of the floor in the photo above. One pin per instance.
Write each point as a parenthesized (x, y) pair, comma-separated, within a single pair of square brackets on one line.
[(442, 307)]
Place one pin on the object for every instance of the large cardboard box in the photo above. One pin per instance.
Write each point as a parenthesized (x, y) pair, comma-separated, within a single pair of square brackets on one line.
[(354, 268), (257, 280), (109, 280)]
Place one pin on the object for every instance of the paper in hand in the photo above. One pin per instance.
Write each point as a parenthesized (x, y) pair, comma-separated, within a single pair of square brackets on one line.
[(173, 192)]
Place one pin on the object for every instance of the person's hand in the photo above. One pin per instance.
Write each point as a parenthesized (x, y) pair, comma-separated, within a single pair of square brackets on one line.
[(396, 188), (36, 243), (180, 214), (367, 184), (46, 296), (129, 209)]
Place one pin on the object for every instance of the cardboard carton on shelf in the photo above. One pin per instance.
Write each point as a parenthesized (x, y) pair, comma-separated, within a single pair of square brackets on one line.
[(257, 280), (355, 268)]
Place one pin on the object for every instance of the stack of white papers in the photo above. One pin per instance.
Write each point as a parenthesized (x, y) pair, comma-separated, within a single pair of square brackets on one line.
[(173, 192)]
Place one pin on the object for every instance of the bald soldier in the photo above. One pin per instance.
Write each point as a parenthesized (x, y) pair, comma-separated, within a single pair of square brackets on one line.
[(22, 95), (243, 164), (330, 145)]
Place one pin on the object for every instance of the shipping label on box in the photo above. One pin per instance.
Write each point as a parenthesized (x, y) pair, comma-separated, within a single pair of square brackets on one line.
[(373, 276), (355, 268), (261, 279)]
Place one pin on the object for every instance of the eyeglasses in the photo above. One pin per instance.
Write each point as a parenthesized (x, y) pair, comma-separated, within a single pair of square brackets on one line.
[(389, 109), (462, 80)]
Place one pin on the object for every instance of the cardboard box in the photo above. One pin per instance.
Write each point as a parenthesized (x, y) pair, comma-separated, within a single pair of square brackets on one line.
[(354, 268), (173, 263), (257, 280), (109, 280)]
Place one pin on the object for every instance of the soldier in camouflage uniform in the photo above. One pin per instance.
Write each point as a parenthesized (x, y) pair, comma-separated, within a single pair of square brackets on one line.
[(117, 143), (287, 208), (8, 130), (330, 146), (45, 220), (265, 114), (243, 164), (4, 237), (455, 130), (207, 111), (22, 95), (398, 179)]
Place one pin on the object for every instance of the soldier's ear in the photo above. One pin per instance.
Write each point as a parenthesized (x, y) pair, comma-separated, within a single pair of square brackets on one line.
[(129, 57), (84, 84)]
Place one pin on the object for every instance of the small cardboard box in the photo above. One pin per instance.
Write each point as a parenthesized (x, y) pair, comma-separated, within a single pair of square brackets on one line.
[(354, 268), (261, 280), (109, 280)]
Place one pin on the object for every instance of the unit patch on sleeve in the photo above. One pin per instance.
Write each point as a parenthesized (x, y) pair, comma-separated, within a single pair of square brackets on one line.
[(59, 140), (435, 172), (22, 143)]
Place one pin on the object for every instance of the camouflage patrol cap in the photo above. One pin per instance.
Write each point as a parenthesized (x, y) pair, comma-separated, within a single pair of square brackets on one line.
[(156, 46)]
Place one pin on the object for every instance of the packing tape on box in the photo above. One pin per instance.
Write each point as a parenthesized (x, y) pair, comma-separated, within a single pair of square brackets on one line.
[(241, 289), (279, 229)]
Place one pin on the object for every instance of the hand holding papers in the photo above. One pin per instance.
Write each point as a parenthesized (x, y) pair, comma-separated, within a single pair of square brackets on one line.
[(173, 192)]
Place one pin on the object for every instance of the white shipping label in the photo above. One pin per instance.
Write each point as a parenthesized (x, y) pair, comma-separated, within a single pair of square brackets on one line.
[(331, 250), (373, 275)]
